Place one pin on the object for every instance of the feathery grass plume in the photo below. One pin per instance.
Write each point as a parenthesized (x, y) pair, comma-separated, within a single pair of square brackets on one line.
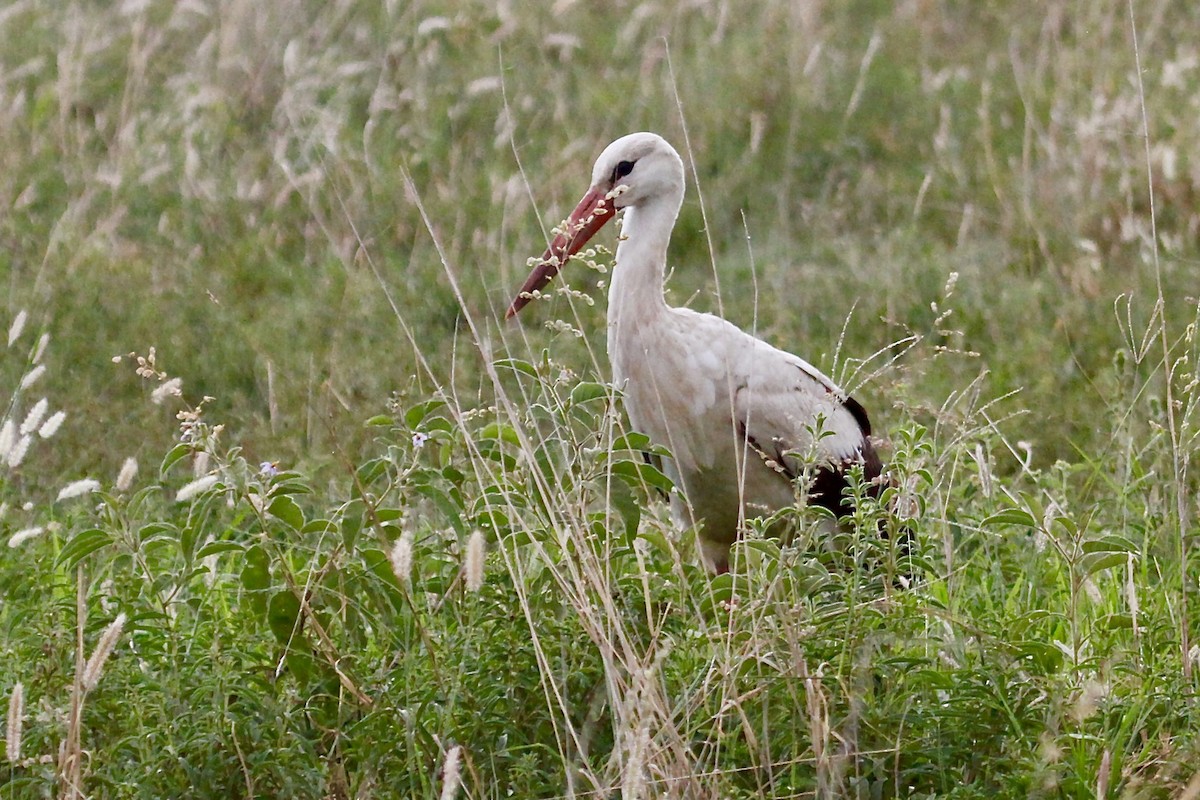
[(8, 435), (452, 773), (200, 464), (40, 350), (17, 326), (401, 557), (34, 418), (77, 488), (16, 453), (104, 648), (128, 472), (25, 534), (16, 717), (32, 376), (473, 565), (190, 490), (51, 426), (168, 388)]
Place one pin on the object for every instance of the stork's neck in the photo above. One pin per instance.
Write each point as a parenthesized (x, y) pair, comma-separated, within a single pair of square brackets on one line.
[(636, 294)]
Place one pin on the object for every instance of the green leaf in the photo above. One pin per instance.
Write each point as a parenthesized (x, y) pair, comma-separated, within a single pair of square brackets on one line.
[(1011, 516), (256, 576), (213, 548), (500, 432), (417, 414), (641, 472), (631, 441), (587, 391), (1109, 543), (516, 365), (173, 456), (284, 509), (82, 545), (1091, 563), (283, 614), (379, 420)]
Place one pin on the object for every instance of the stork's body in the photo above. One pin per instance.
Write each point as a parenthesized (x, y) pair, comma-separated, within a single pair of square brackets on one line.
[(741, 418)]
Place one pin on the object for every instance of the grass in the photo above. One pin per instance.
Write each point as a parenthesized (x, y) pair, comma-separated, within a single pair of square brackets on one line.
[(316, 214)]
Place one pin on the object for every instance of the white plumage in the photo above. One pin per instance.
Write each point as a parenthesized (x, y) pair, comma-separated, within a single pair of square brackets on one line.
[(742, 419)]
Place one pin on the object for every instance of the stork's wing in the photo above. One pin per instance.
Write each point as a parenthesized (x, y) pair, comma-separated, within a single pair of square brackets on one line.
[(798, 421)]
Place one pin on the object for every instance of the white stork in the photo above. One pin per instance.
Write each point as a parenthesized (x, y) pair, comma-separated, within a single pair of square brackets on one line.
[(742, 419)]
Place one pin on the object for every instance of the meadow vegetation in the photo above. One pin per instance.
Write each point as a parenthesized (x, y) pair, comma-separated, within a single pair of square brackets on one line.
[(289, 511)]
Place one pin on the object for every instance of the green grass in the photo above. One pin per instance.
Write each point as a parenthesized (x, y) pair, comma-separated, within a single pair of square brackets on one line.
[(316, 214)]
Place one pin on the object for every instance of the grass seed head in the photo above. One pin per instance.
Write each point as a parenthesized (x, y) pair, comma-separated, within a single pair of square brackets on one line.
[(473, 562), (198, 486), (401, 557), (16, 453), (168, 388), (78, 488), (452, 773), (32, 376), (17, 326), (16, 717), (8, 436), (25, 534), (108, 641), (128, 472), (51, 426), (34, 418)]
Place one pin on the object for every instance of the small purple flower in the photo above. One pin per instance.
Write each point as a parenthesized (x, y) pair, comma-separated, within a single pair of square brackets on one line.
[(268, 469), (419, 439)]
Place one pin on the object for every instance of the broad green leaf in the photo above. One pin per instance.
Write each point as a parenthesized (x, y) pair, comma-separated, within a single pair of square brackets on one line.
[(1011, 516), (213, 548), (82, 545), (283, 613), (631, 441), (1109, 543), (173, 456), (418, 413), (1091, 563), (587, 392), (500, 432), (516, 365), (284, 509), (640, 471)]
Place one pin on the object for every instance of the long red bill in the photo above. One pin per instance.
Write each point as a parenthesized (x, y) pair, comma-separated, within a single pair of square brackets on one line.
[(589, 216)]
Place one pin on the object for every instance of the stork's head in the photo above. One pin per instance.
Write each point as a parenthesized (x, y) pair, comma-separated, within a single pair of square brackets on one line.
[(633, 170)]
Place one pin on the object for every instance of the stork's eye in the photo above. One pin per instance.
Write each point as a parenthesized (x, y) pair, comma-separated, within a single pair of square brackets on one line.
[(623, 169)]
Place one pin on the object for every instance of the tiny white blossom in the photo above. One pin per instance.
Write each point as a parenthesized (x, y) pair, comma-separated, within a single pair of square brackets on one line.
[(17, 326), (77, 488), (198, 486), (34, 418), (25, 534), (169, 388), (51, 426), (128, 472), (32, 376), (268, 469), (419, 439)]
